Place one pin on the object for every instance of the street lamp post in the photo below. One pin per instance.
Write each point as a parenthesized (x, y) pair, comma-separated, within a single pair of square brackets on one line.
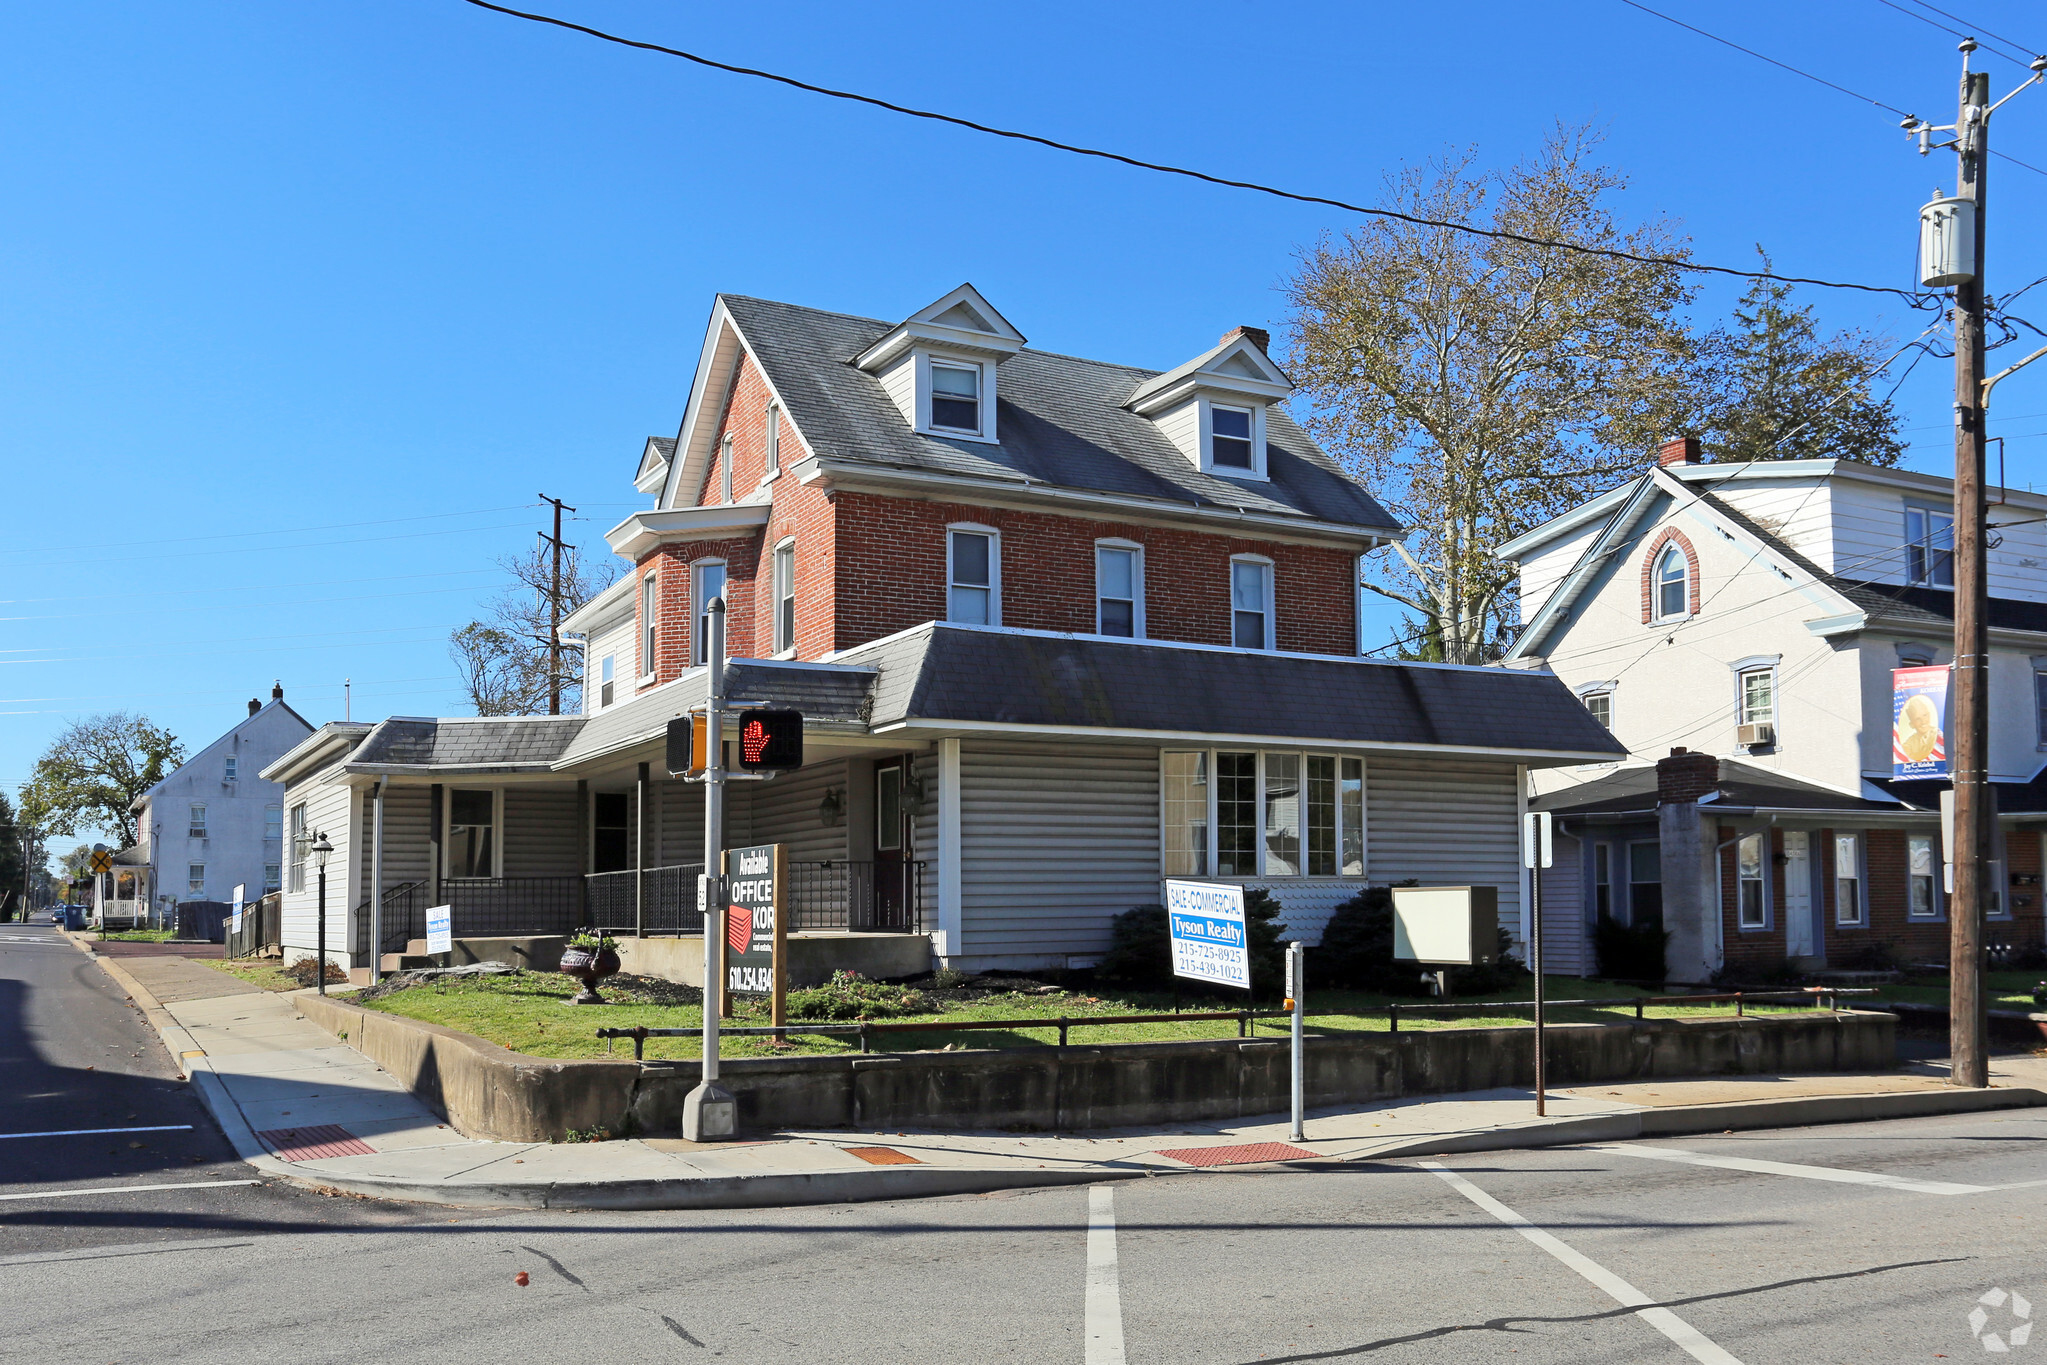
[(321, 848)]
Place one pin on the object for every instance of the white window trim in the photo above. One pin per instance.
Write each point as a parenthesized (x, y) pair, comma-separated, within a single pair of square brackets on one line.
[(497, 826), (1136, 585), (1938, 878), (771, 440), (1742, 672), (1271, 596), (1210, 855), (784, 649), (650, 624), (1861, 920), (1585, 696), (1930, 510), (2039, 662), (987, 403), (296, 852), (699, 638), (1769, 906), (1656, 613), (994, 567), (725, 470), (1209, 466)]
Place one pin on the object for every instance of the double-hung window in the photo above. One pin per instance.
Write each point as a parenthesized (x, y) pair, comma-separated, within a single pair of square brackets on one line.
[(299, 842), (1119, 590), (606, 683), (1930, 547), (1848, 907), (1749, 866), (771, 439), (195, 879), (1251, 604), (785, 596), (270, 877), (195, 827), (2040, 704), (1758, 696), (650, 635), (273, 822), (973, 566), (1922, 897), (234, 764), (1602, 880), (1600, 704), (956, 397), (1645, 883), (1269, 814), (1229, 438), (1673, 585), (710, 584), (472, 827)]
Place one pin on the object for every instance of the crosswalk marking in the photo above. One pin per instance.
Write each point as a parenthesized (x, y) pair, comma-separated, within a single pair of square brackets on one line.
[(1759, 1167)]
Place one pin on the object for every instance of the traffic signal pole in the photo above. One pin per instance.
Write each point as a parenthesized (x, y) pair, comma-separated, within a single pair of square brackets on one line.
[(709, 1112)]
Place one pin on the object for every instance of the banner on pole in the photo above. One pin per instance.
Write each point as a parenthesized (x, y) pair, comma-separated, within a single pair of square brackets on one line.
[(1919, 722)]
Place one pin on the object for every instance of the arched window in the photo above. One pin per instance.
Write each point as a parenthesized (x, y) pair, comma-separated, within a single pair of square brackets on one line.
[(1673, 584)]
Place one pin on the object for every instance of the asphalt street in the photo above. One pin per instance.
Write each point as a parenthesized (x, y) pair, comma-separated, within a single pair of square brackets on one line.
[(90, 1101), (1857, 1243)]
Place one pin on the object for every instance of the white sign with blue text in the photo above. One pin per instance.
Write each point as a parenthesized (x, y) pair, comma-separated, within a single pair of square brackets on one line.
[(235, 920), (440, 929), (1206, 922)]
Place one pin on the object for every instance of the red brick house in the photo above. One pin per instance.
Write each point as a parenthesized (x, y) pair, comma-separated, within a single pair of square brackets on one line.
[(1060, 628)]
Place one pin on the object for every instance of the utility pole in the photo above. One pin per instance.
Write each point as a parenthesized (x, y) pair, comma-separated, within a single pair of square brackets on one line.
[(554, 610), (1972, 851)]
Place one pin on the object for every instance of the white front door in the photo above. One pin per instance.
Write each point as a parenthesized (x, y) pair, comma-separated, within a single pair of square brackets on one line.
[(1798, 894)]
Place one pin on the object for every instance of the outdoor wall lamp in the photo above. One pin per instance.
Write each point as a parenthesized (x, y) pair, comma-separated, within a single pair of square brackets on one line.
[(831, 812)]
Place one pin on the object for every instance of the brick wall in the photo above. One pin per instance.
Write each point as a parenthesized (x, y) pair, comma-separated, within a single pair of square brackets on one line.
[(1669, 535), (891, 575)]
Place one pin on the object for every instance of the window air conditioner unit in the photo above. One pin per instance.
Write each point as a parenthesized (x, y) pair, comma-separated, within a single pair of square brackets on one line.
[(1755, 735)]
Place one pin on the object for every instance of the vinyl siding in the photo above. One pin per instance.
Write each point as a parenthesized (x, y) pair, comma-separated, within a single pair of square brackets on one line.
[(1540, 573), (327, 801), (1055, 843), (679, 808), (1182, 426), (617, 641), (1445, 822), (1566, 941), (542, 832), (899, 382), (785, 811), (1802, 513)]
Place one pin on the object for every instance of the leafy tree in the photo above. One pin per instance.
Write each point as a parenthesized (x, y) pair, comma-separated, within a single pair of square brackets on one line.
[(94, 770), (12, 863), (1771, 388), (503, 658), (1480, 386)]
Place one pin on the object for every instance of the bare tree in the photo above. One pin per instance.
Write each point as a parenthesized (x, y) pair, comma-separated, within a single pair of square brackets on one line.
[(94, 770), (504, 656), (1479, 385)]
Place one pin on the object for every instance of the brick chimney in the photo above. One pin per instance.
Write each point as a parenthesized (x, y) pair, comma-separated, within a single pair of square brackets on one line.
[(254, 706), (1260, 338), (1684, 777), (1678, 450), (277, 691)]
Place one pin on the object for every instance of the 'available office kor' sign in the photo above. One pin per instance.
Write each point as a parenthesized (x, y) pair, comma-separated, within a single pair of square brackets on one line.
[(752, 919), (1206, 924)]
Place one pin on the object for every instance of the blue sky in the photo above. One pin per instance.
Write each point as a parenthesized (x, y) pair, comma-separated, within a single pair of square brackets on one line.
[(304, 303)]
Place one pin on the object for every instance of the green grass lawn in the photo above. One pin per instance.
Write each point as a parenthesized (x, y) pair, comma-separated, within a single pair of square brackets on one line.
[(528, 1013), (256, 971), (2006, 990), (142, 935)]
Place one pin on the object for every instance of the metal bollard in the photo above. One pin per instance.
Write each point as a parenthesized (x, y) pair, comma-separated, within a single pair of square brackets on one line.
[(1062, 1031), (1393, 1017)]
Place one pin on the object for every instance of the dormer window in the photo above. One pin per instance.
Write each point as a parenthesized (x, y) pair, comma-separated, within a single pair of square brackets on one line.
[(1229, 438), (956, 398)]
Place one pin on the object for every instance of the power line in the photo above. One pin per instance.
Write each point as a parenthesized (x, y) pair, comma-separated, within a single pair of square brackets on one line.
[(1613, 253), (1975, 29), (1786, 66), (286, 530)]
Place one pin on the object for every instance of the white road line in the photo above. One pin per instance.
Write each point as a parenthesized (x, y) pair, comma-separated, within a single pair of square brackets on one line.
[(1831, 1173), (87, 1132), (1102, 1318), (1694, 1343), (131, 1189)]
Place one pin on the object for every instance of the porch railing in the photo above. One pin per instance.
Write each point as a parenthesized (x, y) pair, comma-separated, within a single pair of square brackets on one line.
[(478, 907), (671, 900)]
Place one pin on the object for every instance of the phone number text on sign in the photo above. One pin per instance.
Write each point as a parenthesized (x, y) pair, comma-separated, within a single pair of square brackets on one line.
[(1205, 921)]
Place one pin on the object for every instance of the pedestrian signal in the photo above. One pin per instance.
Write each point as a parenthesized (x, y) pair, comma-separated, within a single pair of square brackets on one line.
[(770, 740)]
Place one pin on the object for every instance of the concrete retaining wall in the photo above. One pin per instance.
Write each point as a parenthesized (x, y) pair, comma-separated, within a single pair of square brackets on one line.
[(813, 957), (486, 1091)]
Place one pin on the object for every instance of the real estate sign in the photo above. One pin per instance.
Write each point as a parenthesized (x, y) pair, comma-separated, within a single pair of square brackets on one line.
[(1919, 722), (440, 929), (1206, 923), (753, 921), (235, 920)]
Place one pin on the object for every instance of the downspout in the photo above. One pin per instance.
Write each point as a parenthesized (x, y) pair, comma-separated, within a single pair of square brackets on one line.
[(377, 883)]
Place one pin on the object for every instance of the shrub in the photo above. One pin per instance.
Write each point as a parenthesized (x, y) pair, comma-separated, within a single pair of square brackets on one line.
[(1357, 953), (1141, 951), (593, 941), (1629, 952), (306, 971), (849, 995)]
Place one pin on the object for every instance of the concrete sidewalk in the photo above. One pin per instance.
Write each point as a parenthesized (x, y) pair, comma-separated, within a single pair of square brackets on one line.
[(301, 1105)]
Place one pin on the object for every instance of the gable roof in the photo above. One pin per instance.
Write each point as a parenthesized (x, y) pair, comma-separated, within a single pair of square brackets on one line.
[(1739, 787), (277, 704), (1061, 418)]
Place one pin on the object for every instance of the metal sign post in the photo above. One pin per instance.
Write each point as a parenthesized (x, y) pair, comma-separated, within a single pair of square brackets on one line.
[(1296, 1000), (1535, 856), (709, 1112)]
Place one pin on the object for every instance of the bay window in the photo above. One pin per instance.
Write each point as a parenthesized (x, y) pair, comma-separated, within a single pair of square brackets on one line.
[(1262, 814)]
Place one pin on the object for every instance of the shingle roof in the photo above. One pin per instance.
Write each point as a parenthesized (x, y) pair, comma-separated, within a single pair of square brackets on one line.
[(1632, 791), (1060, 419), (955, 673), (496, 742), (825, 694)]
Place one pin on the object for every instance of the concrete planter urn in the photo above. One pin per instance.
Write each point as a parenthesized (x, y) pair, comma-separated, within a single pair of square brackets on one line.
[(588, 966)]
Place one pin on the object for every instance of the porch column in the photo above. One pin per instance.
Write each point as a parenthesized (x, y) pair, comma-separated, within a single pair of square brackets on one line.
[(1691, 899), (377, 884), (949, 937), (640, 856), (583, 843), (433, 847)]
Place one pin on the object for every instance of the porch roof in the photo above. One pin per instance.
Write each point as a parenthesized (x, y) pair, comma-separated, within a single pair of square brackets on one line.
[(830, 696), (464, 744), (978, 677), (1741, 787)]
